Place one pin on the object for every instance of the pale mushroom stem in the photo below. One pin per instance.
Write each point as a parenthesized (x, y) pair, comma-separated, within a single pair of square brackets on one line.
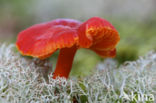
[(64, 62)]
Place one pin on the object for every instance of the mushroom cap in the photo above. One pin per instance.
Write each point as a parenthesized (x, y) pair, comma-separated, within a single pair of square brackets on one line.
[(98, 35), (42, 40)]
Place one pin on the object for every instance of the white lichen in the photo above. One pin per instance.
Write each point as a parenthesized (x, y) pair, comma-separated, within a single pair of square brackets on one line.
[(25, 80)]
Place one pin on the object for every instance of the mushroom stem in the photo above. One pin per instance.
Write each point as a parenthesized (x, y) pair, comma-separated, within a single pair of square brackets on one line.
[(64, 62)]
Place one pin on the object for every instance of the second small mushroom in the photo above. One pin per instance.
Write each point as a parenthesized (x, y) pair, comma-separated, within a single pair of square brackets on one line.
[(68, 35)]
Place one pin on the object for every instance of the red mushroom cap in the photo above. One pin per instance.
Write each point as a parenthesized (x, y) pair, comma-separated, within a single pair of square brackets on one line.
[(41, 40), (99, 35)]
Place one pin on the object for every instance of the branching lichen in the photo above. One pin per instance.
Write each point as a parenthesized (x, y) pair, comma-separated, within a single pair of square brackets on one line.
[(23, 80)]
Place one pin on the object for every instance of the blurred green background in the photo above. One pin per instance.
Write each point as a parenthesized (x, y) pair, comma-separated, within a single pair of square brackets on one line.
[(134, 19)]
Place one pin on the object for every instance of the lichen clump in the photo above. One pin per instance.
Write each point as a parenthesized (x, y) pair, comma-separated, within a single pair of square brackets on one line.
[(23, 80)]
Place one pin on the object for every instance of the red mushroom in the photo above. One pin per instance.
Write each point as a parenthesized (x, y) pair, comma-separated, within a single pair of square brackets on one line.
[(42, 40)]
